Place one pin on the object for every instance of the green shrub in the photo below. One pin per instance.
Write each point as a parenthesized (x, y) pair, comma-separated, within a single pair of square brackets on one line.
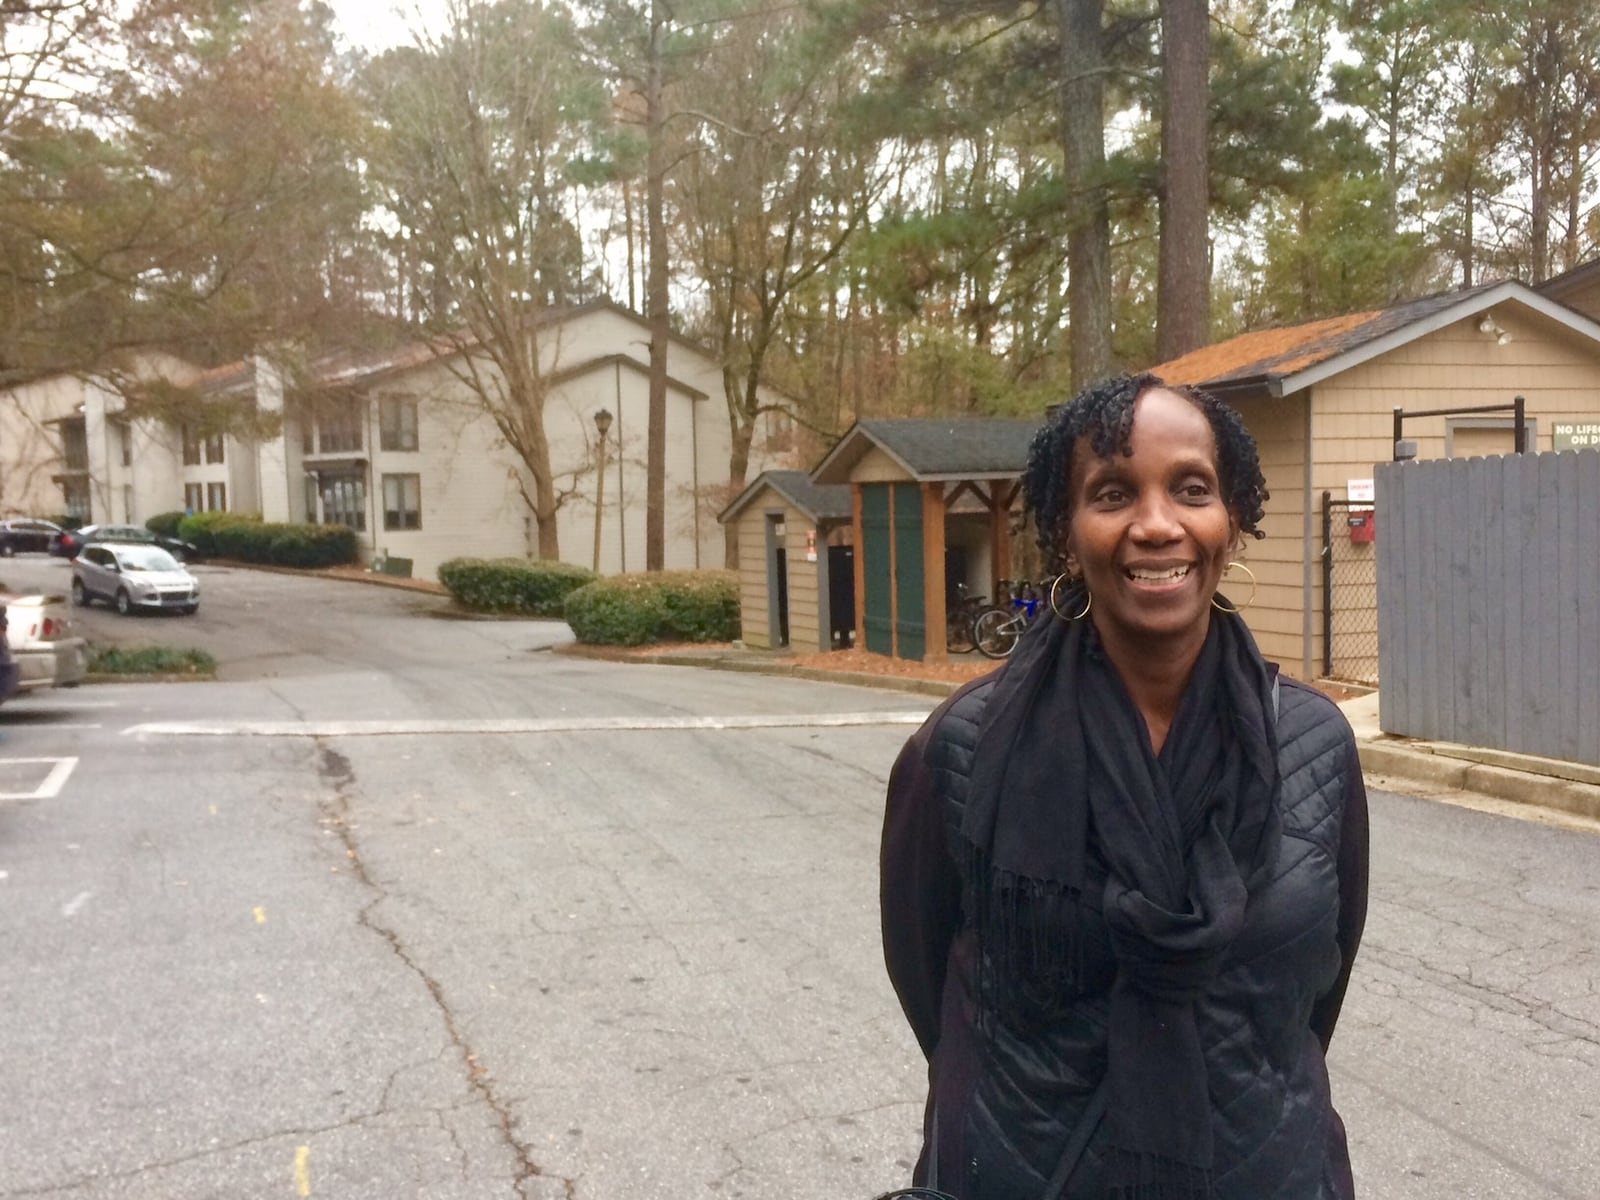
[(282, 545), (152, 660), (245, 541), (672, 606), (516, 585), (164, 524), (200, 529)]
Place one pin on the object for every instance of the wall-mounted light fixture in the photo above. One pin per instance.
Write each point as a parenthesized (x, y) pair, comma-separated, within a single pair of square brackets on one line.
[(1489, 327)]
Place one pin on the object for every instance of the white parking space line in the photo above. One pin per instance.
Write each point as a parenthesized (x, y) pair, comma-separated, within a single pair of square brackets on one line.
[(29, 704), (71, 907), (337, 729), (54, 780)]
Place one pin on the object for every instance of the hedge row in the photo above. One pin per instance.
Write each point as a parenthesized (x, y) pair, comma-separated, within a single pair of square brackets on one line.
[(670, 606), (165, 524), (199, 530), (515, 585), (247, 538)]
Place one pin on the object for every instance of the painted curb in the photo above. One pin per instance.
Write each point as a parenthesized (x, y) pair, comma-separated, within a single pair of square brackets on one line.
[(1409, 764)]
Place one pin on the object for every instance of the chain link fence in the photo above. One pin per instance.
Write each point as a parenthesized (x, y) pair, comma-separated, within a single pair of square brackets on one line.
[(1349, 591)]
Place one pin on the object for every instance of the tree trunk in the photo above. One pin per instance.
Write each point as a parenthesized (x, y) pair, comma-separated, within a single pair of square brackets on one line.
[(1082, 96), (655, 515), (631, 236), (544, 516), (523, 425), (1183, 288), (738, 468), (1571, 242)]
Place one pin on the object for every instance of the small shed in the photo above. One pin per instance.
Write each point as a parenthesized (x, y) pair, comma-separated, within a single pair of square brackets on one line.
[(931, 505), (794, 562), (1320, 399)]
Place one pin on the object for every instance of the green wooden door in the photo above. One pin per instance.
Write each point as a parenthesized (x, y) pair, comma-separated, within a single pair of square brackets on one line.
[(874, 563), (912, 627)]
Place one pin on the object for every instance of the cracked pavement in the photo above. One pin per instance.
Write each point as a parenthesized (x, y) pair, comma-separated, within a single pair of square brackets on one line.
[(593, 964)]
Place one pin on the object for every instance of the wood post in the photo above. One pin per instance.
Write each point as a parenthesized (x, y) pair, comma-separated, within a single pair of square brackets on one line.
[(999, 539), (859, 566), (934, 648)]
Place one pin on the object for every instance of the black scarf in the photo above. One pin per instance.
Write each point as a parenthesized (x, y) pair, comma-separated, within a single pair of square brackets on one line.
[(1184, 837)]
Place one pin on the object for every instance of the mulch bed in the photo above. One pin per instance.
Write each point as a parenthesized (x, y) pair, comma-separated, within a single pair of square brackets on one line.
[(958, 669)]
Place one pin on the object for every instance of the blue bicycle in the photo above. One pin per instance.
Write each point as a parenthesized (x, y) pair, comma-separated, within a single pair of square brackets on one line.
[(996, 631)]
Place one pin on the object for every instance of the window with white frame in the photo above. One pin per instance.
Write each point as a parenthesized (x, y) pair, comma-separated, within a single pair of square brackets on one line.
[(402, 502), (217, 497), (339, 427), (214, 448), (191, 447), (397, 423), (344, 501), (194, 498), (76, 494)]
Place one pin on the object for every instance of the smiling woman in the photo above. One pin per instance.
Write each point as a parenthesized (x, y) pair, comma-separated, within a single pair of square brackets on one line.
[(1123, 880)]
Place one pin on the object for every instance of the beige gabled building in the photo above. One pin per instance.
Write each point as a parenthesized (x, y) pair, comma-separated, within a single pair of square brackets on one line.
[(69, 446), (1320, 399), (396, 445)]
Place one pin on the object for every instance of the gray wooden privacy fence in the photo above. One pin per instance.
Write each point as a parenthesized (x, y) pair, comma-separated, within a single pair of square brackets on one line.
[(1489, 602)]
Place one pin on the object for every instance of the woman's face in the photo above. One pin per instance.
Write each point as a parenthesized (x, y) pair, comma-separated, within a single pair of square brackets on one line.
[(1151, 533)]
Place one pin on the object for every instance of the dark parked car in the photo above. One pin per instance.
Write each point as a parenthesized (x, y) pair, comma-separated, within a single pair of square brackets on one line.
[(20, 535), (69, 542)]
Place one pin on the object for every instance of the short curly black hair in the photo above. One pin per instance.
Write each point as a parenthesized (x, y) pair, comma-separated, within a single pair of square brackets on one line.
[(1103, 412)]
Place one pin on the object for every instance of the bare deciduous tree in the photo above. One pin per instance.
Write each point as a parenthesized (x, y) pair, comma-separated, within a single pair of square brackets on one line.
[(487, 130)]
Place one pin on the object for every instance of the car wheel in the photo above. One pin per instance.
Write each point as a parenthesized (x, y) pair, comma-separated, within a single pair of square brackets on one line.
[(124, 604), (80, 595)]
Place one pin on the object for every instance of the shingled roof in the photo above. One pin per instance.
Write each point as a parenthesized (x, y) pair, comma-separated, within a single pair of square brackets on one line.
[(356, 367), (1581, 276), (1269, 357), (820, 502), (931, 449)]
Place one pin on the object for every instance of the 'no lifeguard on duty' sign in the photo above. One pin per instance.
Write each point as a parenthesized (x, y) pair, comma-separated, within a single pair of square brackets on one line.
[(1576, 437)]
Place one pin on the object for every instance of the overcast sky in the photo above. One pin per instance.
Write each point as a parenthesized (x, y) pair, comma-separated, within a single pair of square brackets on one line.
[(377, 25)]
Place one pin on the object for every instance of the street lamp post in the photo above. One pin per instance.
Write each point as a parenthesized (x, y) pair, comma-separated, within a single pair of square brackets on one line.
[(602, 426)]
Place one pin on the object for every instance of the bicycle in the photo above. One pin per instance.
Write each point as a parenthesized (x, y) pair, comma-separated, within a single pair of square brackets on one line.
[(997, 630), (962, 612)]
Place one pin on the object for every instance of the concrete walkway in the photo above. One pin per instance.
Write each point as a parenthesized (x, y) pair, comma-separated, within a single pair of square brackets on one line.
[(1495, 780)]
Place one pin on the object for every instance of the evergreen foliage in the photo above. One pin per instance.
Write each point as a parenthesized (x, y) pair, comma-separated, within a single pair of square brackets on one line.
[(512, 585), (165, 524), (868, 203), (665, 606)]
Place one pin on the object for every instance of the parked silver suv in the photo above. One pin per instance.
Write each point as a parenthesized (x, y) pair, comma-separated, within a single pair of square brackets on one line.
[(133, 577)]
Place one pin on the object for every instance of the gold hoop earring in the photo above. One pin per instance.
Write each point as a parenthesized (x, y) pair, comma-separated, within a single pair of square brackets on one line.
[(1237, 607), (1088, 600)]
